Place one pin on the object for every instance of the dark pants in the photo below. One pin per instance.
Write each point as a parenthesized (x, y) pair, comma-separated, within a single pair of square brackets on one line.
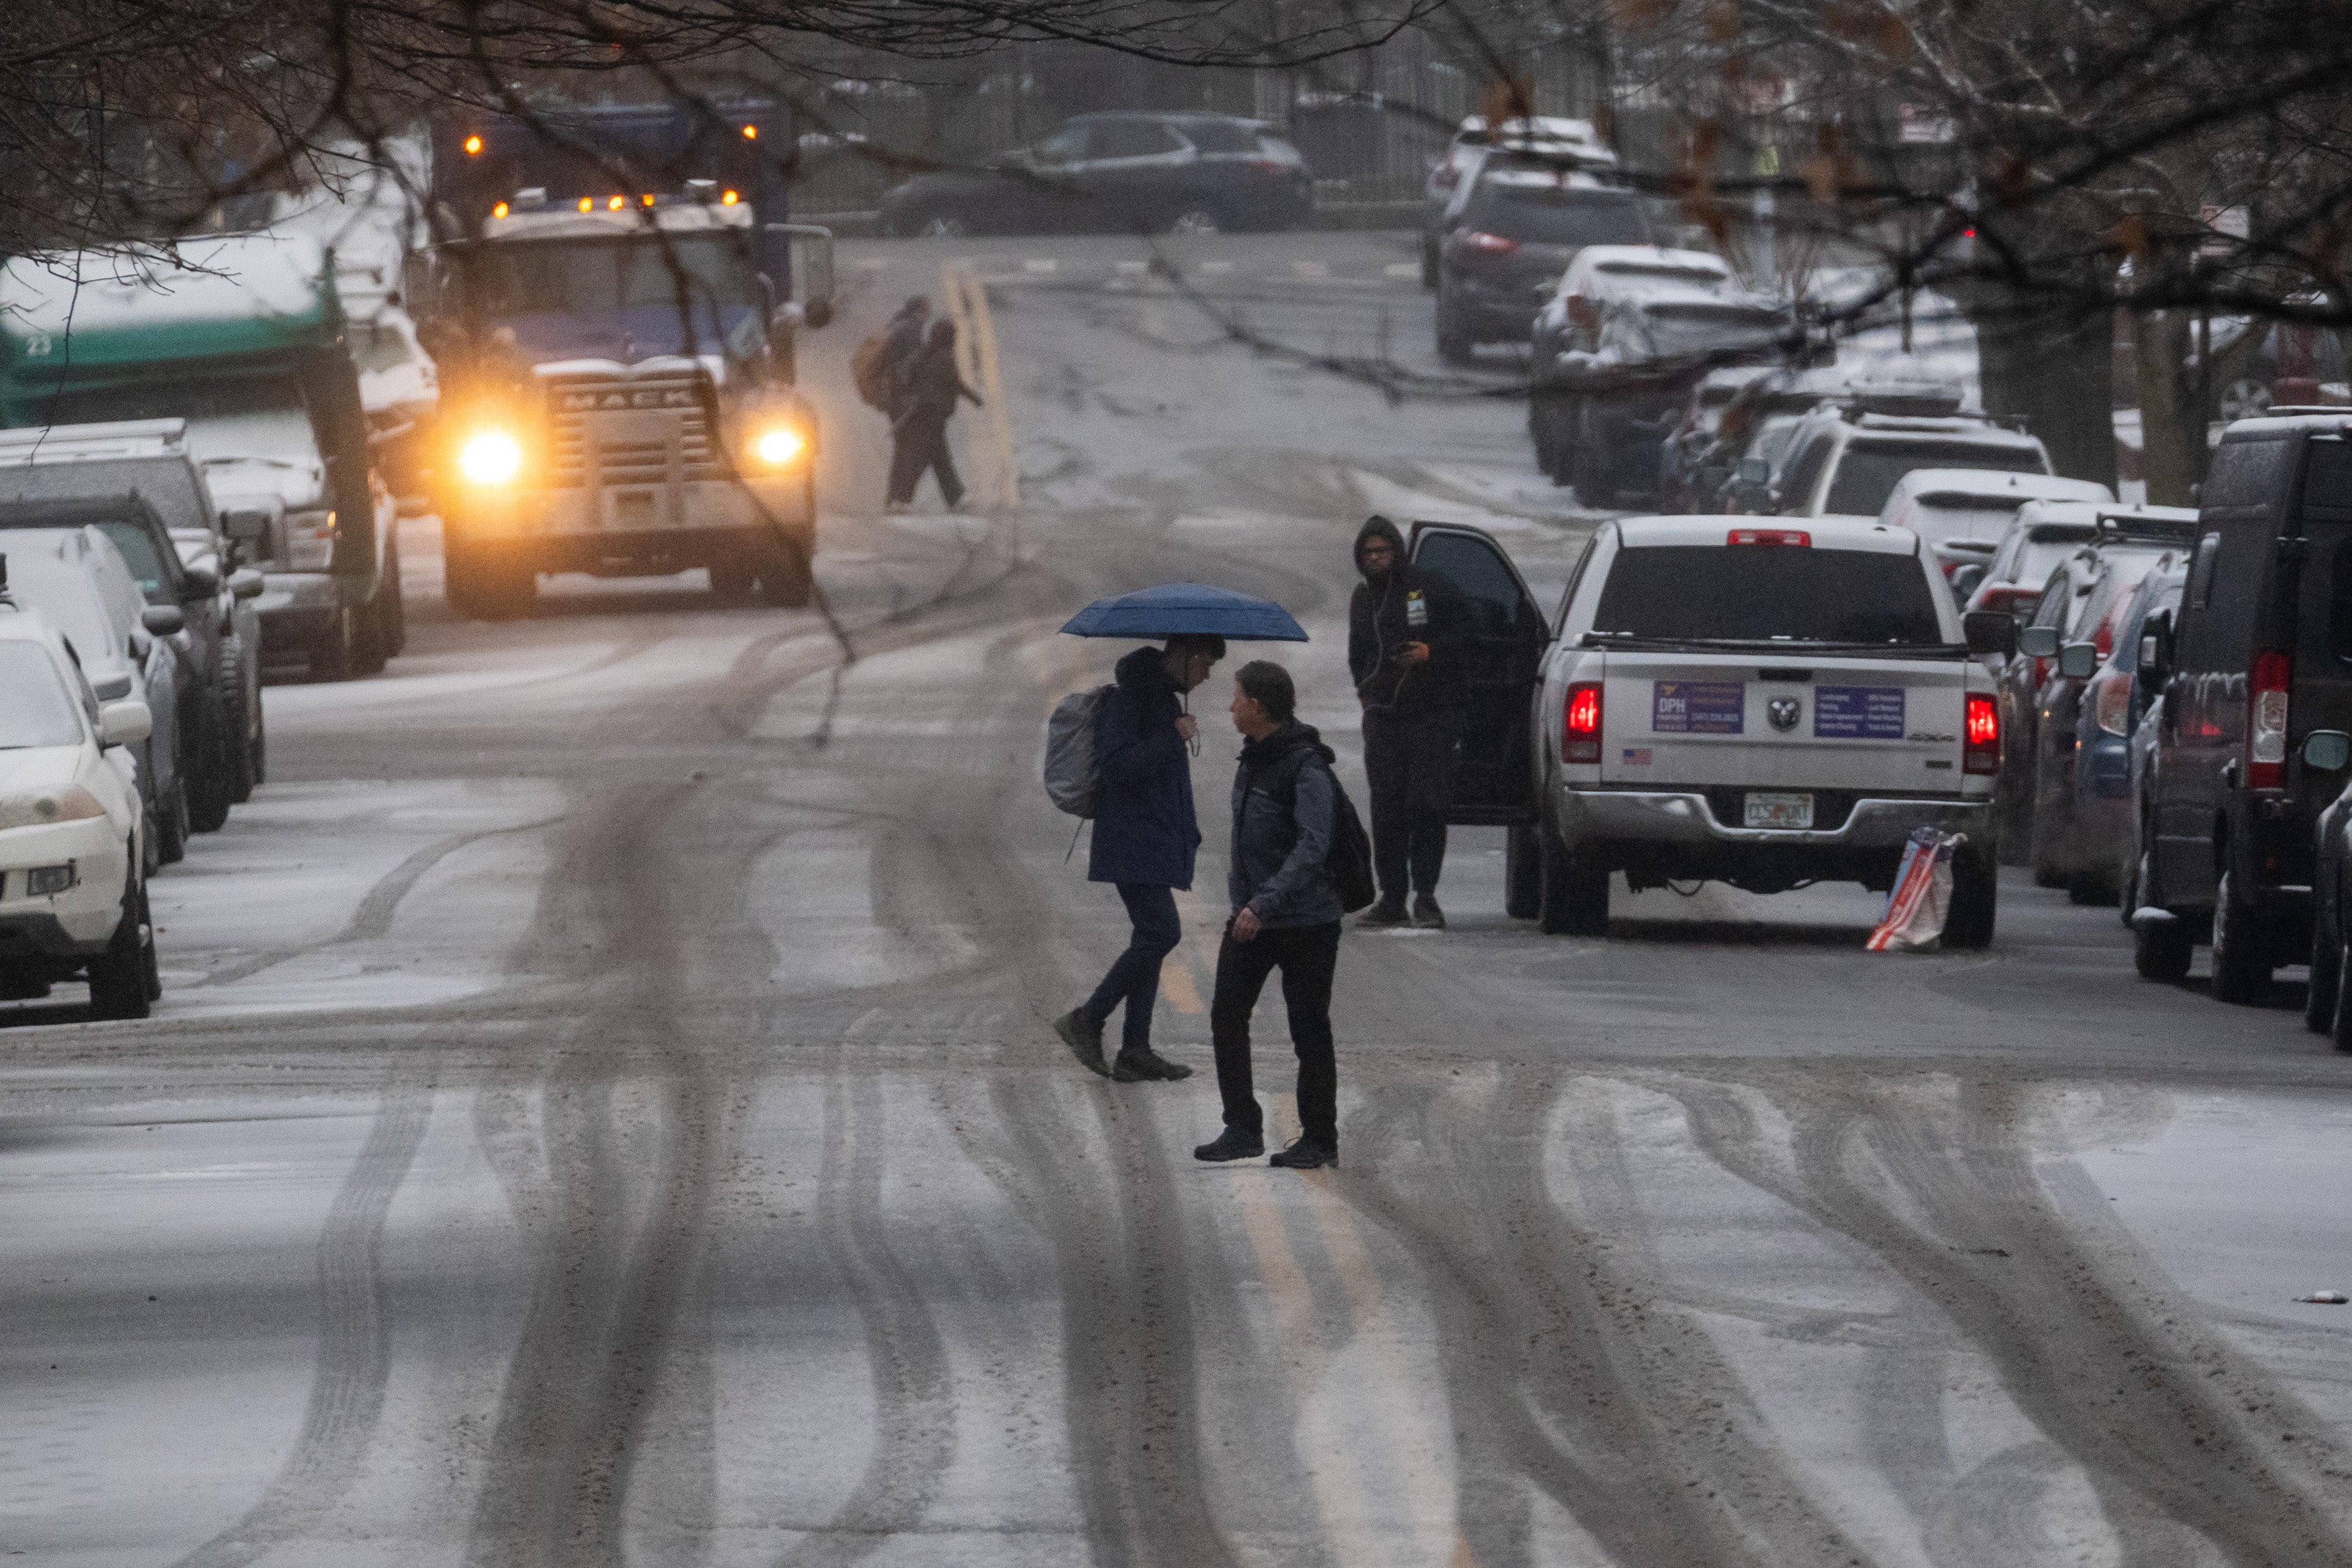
[(1408, 760), (1134, 977), (916, 444), (1305, 955)]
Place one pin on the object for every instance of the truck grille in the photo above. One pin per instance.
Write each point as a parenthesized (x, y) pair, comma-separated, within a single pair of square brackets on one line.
[(580, 428)]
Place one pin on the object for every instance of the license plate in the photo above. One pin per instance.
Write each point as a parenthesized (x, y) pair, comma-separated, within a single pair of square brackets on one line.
[(1779, 810)]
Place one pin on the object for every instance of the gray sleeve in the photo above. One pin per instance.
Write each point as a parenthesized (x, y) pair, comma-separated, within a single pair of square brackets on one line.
[(1296, 880)]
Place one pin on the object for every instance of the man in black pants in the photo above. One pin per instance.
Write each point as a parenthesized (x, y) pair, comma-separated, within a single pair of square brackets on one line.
[(1404, 627), (1286, 916)]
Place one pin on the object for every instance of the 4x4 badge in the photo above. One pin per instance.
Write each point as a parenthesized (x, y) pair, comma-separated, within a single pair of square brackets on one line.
[(1784, 711)]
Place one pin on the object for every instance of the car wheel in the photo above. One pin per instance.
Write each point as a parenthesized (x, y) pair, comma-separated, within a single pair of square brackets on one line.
[(2339, 1023), (208, 780), (1976, 899), (123, 980), (2245, 398), (1429, 261), (733, 578), (2327, 978), (2042, 839), (171, 817), (2092, 888), (1194, 220), (1455, 345), (394, 627), (257, 744), (942, 225), (335, 656), (2242, 960), (236, 754), (1574, 897), (1522, 873)]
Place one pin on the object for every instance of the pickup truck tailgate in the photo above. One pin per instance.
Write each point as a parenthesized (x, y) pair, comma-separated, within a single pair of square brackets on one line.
[(1819, 721)]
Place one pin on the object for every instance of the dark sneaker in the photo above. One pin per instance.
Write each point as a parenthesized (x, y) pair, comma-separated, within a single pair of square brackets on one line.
[(1425, 912), (1142, 1066), (1387, 911), (1306, 1156), (1233, 1144), (1083, 1037)]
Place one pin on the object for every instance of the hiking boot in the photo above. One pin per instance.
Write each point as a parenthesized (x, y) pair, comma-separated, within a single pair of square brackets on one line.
[(1305, 1155), (1425, 912), (1233, 1144), (1386, 913), (1142, 1066), (1083, 1035)]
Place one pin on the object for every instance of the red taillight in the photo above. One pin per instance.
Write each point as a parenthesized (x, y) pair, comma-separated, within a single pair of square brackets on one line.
[(1446, 176), (1265, 165), (2267, 720), (1579, 739), (2112, 703), (1983, 752), (1480, 240), (1770, 537)]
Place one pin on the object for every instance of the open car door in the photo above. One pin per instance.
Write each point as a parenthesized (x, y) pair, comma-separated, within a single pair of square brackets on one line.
[(1496, 782)]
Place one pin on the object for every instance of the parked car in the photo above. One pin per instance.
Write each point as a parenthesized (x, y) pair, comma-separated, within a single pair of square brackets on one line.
[(1519, 231), (1559, 143), (73, 876), (125, 648), (137, 531), (1847, 459), (2042, 534), (2099, 848), (150, 459), (2257, 657), (1764, 706), (1754, 468), (2327, 1007), (1963, 513), (2039, 697), (1180, 173), (1606, 403)]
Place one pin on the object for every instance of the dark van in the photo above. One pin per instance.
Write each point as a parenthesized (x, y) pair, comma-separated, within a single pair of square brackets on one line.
[(2260, 655)]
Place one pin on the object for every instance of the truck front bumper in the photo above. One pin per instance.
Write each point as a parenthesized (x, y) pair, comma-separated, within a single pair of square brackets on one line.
[(623, 520), (297, 610)]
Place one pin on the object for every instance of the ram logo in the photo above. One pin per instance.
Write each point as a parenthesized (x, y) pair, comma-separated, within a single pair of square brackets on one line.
[(1784, 711)]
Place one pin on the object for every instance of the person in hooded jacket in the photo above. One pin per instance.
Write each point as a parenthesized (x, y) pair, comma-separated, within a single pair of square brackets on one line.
[(1145, 838), (1405, 628), (919, 427), (1286, 916)]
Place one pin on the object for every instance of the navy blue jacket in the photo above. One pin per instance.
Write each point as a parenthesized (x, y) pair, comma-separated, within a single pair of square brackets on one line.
[(1144, 827), (1280, 843)]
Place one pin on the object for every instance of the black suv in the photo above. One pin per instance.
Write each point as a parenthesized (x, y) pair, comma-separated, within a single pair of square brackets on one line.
[(1178, 173), (2258, 656), (1517, 232)]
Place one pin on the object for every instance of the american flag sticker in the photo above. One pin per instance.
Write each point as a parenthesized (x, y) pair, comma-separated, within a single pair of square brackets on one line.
[(1637, 757)]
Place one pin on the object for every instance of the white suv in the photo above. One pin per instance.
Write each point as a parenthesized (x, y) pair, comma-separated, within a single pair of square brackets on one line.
[(1845, 463), (73, 885)]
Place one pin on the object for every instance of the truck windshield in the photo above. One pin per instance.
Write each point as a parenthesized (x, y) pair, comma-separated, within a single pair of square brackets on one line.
[(1755, 593), (36, 709), (633, 278)]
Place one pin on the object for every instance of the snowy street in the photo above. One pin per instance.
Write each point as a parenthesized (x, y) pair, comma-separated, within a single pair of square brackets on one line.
[(603, 1107)]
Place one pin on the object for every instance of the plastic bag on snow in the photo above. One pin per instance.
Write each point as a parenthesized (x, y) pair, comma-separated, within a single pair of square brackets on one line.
[(1922, 896)]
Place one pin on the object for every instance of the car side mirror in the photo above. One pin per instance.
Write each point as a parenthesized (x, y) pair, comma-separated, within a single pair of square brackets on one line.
[(2156, 648), (163, 620), (2078, 661), (1990, 634), (124, 722), (1755, 471), (245, 583), (199, 582), (245, 527), (1965, 581), (2037, 641), (2326, 750)]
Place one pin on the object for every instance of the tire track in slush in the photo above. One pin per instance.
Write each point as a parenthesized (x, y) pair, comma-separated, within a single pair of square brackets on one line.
[(1623, 1414), (2176, 1433), (354, 1357), (914, 1390), (627, 1096)]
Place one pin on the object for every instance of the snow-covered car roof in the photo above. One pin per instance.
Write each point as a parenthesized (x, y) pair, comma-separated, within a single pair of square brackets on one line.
[(1698, 268), (2168, 521), (1976, 488), (264, 286), (1539, 127), (591, 219), (1542, 179), (1822, 533)]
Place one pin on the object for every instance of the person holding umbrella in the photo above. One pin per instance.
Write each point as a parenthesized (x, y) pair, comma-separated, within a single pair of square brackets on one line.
[(1146, 834)]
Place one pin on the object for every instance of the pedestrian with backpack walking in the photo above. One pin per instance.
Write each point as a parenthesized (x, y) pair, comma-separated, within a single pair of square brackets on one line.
[(919, 425), (1287, 906), (1146, 836)]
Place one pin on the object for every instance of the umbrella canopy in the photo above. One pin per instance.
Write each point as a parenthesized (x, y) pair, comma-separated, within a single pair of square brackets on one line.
[(1181, 607)]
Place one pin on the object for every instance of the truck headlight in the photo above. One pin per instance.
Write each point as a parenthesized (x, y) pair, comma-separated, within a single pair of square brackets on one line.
[(490, 458), (36, 808), (778, 446)]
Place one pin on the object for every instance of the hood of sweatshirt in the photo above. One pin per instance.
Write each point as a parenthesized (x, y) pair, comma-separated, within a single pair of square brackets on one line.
[(1377, 527)]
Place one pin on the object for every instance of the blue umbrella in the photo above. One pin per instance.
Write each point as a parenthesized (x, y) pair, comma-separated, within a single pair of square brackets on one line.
[(1181, 607)]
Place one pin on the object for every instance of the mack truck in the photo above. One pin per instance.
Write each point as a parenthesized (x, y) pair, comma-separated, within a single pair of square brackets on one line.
[(242, 338), (613, 306)]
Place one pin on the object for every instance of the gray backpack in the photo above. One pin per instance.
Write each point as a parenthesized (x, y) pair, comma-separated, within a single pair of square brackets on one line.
[(1070, 751)]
